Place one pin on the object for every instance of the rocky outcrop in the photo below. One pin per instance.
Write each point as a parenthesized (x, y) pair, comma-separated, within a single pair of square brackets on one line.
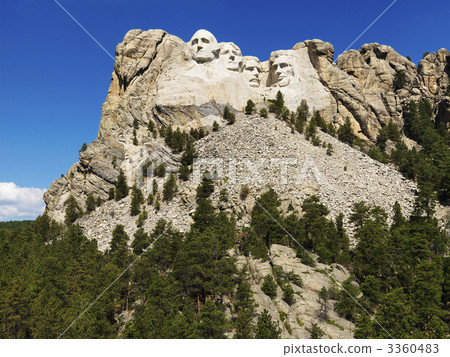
[(295, 320)]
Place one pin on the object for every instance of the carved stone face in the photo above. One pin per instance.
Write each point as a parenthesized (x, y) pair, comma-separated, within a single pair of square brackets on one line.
[(231, 56), (283, 71), (204, 46), (252, 69)]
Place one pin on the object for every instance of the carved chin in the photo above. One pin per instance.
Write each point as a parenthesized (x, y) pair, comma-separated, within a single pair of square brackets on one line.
[(232, 67), (284, 82), (201, 57)]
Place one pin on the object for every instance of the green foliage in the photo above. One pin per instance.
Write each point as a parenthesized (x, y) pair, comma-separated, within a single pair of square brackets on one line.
[(229, 116), (245, 307), (376, 154), (269, 286), (323, 236), (170, 188), (121, 186), (277, 106), (320, 121), (263, 113), (345, 133), (140, 242), (215, 126), (137, 199), (83, 148), (160, 170), (302, 116), (266, 328), (243, 194), (288, 294), (187, 159), (73, 210), (330, 149), (429, 166), (346, 305), (250, 243), (250, 107), (176, 140), (142, 217), (425, 54), (206, 187), (316, 331), (265, 218), (223, 195), (154, 187), (111, 193), (399, 79), (212, 321), (91, 203)]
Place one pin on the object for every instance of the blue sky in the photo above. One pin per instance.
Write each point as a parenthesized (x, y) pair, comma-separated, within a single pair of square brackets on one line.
[(55, 78)]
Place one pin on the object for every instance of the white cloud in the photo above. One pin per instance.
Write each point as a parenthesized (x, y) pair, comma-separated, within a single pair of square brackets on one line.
[(18, 202)]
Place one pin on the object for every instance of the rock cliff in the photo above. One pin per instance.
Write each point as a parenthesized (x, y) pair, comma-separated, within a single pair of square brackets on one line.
[(161, 79)]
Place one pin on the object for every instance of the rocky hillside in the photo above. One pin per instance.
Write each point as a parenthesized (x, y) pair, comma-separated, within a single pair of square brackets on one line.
[(254, 152)]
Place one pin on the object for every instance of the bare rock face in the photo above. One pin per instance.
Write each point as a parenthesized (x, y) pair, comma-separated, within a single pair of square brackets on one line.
[(433, 72)]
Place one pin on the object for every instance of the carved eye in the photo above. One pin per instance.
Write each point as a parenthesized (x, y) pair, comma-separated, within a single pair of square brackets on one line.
[(204, 40), (282, 65), (194, 41)]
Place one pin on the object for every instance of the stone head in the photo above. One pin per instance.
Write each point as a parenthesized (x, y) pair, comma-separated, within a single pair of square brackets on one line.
[(252, 69), (230, 55), (283, 71), (204, 46)]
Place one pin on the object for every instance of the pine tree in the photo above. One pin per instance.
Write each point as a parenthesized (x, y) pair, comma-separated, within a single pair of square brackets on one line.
[(73, 211), (316, 331), (83, 148), (140, 242), (229, 116), (263, 113), (154, 187), (266, 328), (170, 188), (111, 193), (121, 186), (160, 170), (288, 294), (269, 286), (136, 200), (250, 107), (90, 203), (118, 248), (345, 133), (206, 187), (215, 126), (212, 321)]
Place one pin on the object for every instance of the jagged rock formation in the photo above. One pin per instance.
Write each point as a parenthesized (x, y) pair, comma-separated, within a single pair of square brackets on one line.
[(157, 77)]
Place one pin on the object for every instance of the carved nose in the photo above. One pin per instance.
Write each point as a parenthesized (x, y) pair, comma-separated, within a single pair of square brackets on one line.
[(232, 58)]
